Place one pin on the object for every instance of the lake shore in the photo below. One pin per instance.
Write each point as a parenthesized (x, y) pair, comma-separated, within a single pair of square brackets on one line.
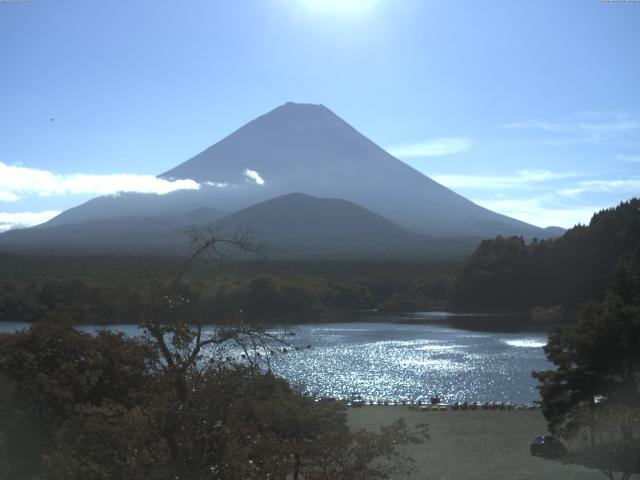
[(392, 361), (474, 444)]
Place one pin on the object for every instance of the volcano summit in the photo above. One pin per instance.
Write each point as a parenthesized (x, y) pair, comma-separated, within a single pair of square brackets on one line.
[(295, 148)]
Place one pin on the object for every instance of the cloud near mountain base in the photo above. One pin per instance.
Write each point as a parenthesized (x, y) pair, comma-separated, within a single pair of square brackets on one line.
[(18, 181), (14, 220)]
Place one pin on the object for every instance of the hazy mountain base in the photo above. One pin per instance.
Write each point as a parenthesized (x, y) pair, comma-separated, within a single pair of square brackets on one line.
[(550, 279), (290, 226)]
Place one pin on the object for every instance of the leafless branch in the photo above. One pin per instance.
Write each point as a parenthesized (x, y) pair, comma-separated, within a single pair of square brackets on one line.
[(211, 240)]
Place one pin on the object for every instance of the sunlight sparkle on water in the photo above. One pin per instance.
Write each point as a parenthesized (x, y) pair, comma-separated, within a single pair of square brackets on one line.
[(526, 343), (394, 361), (397, 361)]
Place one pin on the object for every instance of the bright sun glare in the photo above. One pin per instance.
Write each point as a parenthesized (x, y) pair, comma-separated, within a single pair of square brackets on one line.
[(339, 7)]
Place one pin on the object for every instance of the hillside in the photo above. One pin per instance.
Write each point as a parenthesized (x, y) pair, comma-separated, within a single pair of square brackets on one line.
[(294, 225), (305, 224), (161, 234), (511, 274)]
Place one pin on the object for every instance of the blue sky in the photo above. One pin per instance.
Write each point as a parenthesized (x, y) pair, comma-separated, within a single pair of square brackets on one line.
[(531, 109)]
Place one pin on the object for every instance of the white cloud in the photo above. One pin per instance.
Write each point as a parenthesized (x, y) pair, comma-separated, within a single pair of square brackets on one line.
[(434, 147), (16, 181), (253, 177), (539, 211), (537, 125), (606, 128), (542, 197), (9, 221), (628, 158), (630, 185), (519, 180), (585, 127), (8, 197)]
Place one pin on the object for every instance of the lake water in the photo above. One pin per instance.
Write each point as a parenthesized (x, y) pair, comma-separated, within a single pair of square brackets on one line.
[(389, 360)]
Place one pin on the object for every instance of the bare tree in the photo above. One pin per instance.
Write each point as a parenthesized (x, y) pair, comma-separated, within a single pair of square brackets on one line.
[(178, 330), (297, 438)]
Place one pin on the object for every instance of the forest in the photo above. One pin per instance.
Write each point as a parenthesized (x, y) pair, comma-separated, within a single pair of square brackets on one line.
[(591, 398), (547, 279), (112, 289), (514, 275)]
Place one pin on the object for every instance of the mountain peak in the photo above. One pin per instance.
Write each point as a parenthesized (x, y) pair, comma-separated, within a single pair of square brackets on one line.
[(300, 112), (306, 106), (278, 144), (303, 147)]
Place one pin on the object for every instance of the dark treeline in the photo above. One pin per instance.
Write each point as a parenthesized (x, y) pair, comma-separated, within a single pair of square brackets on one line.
[(510, 274), (591, 398), (115, 267), (503, 274), (112, 289), (264, 297)]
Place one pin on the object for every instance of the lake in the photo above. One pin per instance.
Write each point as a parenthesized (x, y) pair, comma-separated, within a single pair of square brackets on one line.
[(390, 359)]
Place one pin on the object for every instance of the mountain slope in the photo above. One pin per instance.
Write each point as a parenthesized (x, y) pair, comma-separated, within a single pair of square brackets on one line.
[(301, 223), (160, 234), (293, 225), (307, 148)]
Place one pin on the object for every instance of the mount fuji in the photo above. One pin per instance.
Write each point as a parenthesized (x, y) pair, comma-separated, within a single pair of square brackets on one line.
[(295, 148)]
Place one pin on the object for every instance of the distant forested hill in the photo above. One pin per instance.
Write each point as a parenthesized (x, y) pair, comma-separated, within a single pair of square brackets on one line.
[(509, 274), (114, 289)]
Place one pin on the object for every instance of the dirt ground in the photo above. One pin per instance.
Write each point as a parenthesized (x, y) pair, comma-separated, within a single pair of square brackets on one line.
[(474, 444)]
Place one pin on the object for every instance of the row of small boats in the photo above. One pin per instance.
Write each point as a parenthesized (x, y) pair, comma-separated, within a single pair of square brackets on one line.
[(435, 404), (473, 406)]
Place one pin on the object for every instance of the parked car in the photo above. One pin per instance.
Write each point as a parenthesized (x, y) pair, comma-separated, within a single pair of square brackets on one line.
[(357, 400), (546, 446)]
